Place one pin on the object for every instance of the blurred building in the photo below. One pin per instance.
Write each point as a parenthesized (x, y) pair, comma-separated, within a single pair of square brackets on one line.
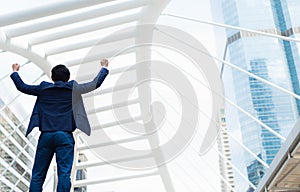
[(271, 59), (81, 174), (224, 154), (16, 152), (263, 104), (256, 172)]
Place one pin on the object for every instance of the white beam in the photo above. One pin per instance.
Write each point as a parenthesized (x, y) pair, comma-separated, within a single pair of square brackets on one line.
[(151, 15), (115, 105), (39, 60), (15, 157), (7, 75), (89, 43), (111, 72), (255, 119), (237, 68), (242, 110), (235, 28), (85, 29), (246, 148), (14, 99), (88, 164), (113, 179), (95, 57), (121, 70), (137, 138), (46, 10), (76, 156), (109, 90), (234, 167), (111, 124), (78, 17)]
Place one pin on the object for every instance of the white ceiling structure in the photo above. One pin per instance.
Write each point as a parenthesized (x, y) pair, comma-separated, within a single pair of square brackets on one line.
[(63, 32), (35, 26)]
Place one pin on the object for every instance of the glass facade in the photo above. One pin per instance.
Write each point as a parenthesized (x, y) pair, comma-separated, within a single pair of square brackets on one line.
[(16, 153), (256, 171), (271, 59), (81, 174), (265, 109)]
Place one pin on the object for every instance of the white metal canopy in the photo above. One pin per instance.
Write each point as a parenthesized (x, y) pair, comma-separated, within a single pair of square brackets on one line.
[(42, 33)]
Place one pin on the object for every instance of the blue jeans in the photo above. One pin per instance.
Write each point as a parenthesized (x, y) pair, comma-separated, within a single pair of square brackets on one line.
[(62, 144)]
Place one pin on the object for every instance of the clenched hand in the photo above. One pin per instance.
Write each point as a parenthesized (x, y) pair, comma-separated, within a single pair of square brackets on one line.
[(16, 67), (104, 63)]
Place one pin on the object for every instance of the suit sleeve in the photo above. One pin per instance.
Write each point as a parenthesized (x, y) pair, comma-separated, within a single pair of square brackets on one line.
[(24, 88), (94, 84)]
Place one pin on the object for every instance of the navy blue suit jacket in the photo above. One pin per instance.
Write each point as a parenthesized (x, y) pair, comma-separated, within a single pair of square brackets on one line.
[(59, 105)]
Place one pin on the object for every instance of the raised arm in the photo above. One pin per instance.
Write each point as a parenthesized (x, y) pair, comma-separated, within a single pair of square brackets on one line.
[(95, 83), (20, 85)]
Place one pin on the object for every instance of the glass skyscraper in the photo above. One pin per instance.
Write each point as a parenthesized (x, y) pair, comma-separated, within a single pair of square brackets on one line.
[(269, 58)]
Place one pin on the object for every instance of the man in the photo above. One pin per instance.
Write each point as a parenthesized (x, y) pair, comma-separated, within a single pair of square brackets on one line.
[(58, 111)]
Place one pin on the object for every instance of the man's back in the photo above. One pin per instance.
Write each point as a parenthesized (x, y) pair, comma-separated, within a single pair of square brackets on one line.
[(55, 107), (47, 93)]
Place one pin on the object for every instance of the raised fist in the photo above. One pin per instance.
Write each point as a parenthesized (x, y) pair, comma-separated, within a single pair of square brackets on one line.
[(16, 67), (104, 63)]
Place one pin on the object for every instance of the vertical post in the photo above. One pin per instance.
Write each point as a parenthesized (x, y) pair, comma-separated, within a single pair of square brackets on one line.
[(55, 179), (73, 172), (151, 14), (143, 54)]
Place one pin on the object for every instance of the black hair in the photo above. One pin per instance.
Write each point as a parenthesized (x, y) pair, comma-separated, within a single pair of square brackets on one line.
[(60, 73)]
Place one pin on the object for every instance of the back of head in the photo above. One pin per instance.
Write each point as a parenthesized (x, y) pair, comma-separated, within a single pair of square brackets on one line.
[(60, 73)]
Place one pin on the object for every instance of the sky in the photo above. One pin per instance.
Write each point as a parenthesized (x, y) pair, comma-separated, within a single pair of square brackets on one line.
[(189, 171)]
